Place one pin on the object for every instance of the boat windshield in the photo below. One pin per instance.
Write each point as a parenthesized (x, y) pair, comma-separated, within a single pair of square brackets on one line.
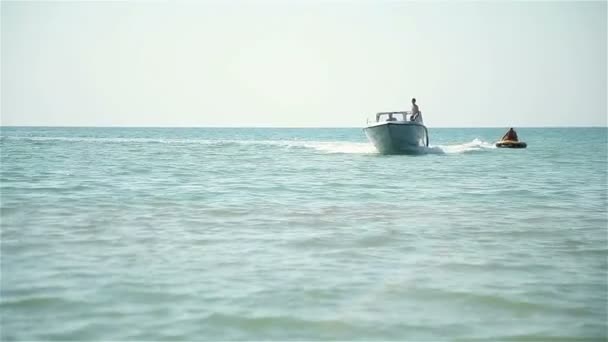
[(393, 116)]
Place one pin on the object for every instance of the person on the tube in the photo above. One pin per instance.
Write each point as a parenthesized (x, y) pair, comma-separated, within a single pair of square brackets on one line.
[(510, 135)]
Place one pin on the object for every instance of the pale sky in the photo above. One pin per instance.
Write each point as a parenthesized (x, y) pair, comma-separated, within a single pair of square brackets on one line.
[(302, 63)]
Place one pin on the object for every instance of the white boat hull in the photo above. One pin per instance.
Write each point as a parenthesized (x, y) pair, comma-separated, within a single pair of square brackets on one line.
[(398, 137)]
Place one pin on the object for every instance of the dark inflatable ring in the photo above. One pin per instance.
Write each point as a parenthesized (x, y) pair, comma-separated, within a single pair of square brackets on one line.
[(511, 144)]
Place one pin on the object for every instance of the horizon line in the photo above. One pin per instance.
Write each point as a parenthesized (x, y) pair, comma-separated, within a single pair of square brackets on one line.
[(275, 127)]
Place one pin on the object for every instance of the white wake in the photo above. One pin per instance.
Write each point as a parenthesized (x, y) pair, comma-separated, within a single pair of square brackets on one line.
[(472, 146), (321, 146), (368, 148)]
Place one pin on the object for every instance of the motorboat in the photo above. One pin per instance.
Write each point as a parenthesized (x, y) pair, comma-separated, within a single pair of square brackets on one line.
[(397, 133), (511, 144)]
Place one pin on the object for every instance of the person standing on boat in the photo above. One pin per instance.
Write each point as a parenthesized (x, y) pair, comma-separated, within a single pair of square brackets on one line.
[(415, 112)]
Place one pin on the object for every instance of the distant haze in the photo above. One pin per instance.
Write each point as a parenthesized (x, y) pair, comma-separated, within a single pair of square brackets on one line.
[(302, 63)]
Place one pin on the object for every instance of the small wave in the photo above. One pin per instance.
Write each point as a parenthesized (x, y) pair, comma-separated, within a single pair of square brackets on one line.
[(39, 302), (116, 140), (262, 323)]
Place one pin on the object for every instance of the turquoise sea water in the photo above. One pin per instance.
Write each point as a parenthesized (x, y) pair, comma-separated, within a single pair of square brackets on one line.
[(281, 234)]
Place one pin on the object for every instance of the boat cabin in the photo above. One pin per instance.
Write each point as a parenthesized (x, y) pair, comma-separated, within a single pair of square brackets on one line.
[(398, 116)]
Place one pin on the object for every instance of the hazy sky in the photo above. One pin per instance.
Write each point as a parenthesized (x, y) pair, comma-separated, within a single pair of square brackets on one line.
[(302, 63)]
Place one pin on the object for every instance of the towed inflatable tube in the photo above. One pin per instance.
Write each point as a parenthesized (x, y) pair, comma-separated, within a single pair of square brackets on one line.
[(511, 144)]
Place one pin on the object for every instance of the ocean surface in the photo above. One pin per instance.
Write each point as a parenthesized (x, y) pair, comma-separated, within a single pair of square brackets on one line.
[(301, 234)]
